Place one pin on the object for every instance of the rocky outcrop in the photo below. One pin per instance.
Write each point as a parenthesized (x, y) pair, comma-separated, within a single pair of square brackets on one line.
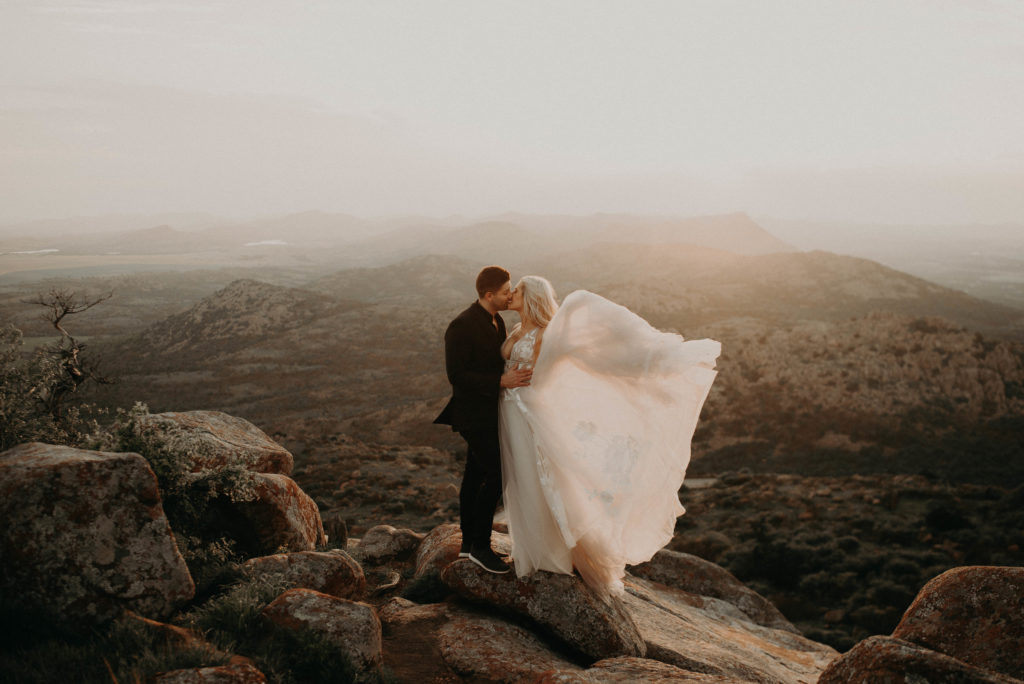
[(213, 440), (685, 635), (353, 626), (698, 576), (885, 660), (331, 572), (84, 535), (596, 625), (384, 542), (974, 614), (281, 517)]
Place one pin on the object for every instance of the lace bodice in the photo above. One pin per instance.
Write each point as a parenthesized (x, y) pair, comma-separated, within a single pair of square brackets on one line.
[(522, 351)]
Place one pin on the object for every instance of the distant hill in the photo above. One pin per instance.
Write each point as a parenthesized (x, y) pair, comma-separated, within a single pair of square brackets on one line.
[(235, 317)]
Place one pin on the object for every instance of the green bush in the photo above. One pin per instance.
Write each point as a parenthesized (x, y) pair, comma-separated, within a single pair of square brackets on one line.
[(24, 384), (192, 501), (125, 650), (233, 621)]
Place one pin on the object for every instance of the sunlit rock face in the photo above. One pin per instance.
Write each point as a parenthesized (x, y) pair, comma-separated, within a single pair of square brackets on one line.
[(698, 576), (85, 535), (885, 659), (966, 625), (974, 614)]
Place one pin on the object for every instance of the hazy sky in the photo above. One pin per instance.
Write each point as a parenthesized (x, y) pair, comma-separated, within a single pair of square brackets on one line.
[(887, 110)]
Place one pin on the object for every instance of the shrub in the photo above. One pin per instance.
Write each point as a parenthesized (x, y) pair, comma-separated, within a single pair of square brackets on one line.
[(192, 501), (24, 416), (124, 651)]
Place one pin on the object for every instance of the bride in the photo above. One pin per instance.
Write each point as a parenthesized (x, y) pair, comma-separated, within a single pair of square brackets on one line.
[(594, 450)]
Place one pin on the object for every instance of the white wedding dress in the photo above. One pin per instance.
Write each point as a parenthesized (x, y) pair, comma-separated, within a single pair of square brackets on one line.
[(594, 451)]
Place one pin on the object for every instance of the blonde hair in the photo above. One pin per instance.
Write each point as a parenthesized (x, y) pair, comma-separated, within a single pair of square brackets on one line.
[(539, 303)]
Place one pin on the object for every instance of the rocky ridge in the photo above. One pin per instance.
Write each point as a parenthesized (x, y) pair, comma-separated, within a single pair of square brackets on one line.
[(681, 618)]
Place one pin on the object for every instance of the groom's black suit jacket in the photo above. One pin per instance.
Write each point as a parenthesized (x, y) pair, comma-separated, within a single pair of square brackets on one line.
[(472, 358)]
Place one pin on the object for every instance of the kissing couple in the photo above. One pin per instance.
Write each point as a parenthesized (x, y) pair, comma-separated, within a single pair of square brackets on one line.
[(581, 419)]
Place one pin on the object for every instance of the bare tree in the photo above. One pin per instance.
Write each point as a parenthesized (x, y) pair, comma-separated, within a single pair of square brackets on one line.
[(74, 368)]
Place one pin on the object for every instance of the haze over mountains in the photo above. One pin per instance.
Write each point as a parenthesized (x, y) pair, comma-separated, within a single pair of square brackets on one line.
[(321, 323)]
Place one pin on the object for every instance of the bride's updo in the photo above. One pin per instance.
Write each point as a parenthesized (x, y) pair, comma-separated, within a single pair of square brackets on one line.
[(539, 303)]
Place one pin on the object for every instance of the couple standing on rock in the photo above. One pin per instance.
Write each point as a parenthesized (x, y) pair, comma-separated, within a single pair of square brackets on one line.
[(581, 418)]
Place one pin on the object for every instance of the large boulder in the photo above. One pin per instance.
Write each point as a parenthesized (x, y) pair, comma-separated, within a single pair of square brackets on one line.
[(695, 575), (354, 627), (213, 440), (84, 535), (885, 660), (597, 625), (331, 572), (282, 517), (974, 614), (708, 635), (442, 642)]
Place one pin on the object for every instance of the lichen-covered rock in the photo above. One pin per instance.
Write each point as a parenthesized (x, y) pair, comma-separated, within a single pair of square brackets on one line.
[(331, 572), (442, 642), (281, 517), (353, 626), (698, 576), (84, 535), (596, 625), (627, 670), (974, 614), (489, 649), (384, 543), (213, 440), (885, 660), (234, 673), (707, 635)]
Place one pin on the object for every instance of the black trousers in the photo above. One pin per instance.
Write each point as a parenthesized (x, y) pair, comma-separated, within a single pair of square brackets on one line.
[(481, 486)]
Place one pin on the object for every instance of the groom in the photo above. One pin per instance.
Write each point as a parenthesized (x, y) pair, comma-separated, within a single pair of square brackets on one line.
[(472, 357)]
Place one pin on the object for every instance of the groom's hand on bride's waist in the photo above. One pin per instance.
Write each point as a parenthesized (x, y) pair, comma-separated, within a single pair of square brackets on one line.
[(519, 377)]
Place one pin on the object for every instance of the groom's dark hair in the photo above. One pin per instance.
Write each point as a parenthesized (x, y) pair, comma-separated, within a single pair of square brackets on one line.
[(491, 279)]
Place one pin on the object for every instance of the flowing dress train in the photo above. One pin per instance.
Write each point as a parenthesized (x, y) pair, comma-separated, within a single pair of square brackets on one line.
[(595, 449)]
